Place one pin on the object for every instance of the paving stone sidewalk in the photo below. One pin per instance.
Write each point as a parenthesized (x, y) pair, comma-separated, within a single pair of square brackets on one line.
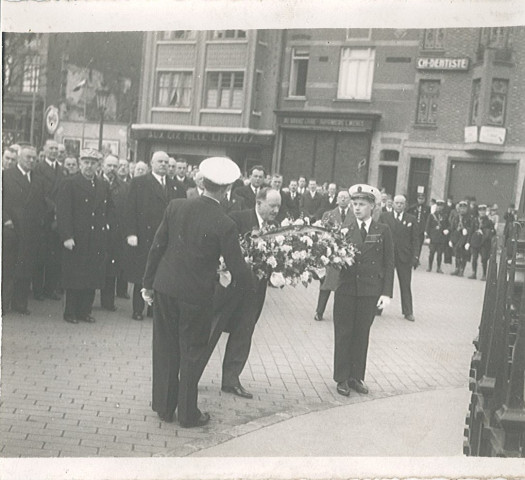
[(84, 390)]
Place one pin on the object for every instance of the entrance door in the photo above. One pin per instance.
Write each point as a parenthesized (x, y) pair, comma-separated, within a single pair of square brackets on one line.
[(418, 177), (388, 178)]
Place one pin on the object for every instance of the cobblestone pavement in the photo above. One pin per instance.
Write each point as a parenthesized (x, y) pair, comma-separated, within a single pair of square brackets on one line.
[(84, 390)]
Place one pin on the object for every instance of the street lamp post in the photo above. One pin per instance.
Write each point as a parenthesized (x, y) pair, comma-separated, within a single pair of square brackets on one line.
[(102, 100)]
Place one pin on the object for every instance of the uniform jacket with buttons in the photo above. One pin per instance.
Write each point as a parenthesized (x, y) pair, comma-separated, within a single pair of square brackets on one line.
[(437, 224), (421, 212), (83, 212), (372, 274), (146, 202), (405, 234)]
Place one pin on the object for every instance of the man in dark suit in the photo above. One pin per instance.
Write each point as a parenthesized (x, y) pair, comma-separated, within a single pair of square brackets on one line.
[(180, 279), (340, 217), (47, 269), (405, 233), (181, 175), (421, 212), (83, 211), (292, 200), (312, 202), (330, 199), (22, 216), (148, 197), (363, 287), (245, 316), (437, 230), (248, 192), (232, 202)]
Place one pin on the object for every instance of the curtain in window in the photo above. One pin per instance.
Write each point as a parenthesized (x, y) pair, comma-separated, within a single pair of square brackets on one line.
[(356, 73)]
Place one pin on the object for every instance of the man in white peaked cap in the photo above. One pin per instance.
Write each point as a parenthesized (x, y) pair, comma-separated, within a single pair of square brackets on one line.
[(180, 280)]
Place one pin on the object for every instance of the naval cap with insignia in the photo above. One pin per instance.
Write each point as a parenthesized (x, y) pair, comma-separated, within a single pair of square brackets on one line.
[(90, 153), (482, 207), (463, 203), (362, 190), (440, 202), (220, 170)]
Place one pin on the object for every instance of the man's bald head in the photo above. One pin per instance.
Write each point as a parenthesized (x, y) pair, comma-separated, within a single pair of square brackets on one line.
[(268, 203), (400, 203)]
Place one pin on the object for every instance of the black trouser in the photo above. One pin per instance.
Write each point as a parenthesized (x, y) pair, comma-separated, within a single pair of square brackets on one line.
[(242, 326), (404, 275), (322, 300), (180, 340), (462, 256), (15, 293), (79, 303), (107, 294), (353, 317), (137, 300), (122, 285), (421, 242), (438, 249), (484, 253), (47, 270)]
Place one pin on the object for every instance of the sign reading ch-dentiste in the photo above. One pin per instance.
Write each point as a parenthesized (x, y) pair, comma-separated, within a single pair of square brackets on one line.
[(443, 63)]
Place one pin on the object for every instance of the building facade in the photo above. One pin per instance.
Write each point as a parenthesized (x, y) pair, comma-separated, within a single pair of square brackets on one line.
[(209, 93)]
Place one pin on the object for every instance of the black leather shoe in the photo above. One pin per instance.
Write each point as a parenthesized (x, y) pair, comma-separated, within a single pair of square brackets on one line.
[(166, 418), (22, 312), (88, 319), (200, 422), (410, 318), (53, 296), (239, 391), (343, 389), (318, 318), (358, 385), (111, 308), (70, 319), (137, 316)]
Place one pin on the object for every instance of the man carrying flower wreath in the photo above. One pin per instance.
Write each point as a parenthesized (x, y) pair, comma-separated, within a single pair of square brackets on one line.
[(363, 287)]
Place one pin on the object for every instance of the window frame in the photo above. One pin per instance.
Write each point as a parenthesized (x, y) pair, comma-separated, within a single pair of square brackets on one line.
[(220, 89), (31, 73), (419, 94), (191, 39), (236, 38), (343, 72), (505, 102), (292, 82), (433, 47), (171, 88), (358, 39), (476, 84)]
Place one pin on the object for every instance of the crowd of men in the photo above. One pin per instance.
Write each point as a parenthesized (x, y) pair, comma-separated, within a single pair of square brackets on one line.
[(77, 226)]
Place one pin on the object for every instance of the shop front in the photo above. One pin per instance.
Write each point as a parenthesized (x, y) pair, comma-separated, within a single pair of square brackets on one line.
[(246, 147), (330, 147)]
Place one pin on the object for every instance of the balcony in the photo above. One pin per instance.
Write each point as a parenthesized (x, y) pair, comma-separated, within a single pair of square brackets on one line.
[(485, 139)]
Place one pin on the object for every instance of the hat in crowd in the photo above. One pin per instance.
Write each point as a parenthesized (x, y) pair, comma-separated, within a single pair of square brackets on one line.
[(463, 203), (440, 202), (160, 155), (362, 190), (219, 170), (90, 153), (482, 207)]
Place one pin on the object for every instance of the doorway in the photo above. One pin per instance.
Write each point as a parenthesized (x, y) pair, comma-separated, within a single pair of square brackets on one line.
[(388, 179)]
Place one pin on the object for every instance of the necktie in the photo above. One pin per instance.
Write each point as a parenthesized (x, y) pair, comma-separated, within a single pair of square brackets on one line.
[(28, 177), (363, 231), (343, 215)]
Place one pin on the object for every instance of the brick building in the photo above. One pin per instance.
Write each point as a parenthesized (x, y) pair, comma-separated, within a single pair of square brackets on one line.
[(209, 93), (435, 110)]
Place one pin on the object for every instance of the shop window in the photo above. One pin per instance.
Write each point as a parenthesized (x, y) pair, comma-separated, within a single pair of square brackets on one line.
[(225, 90), (299, 72), (228, 34), (498, 101), (174, 89), (474, 102), (178, 35), (356, 73), (31, 73), (427, 103), (389, 156), (433, 39), (358, 33)]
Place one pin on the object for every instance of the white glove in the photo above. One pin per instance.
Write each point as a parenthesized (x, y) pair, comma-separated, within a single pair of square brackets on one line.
[(450, 244), (147, 295), (467, 246), (69, 244), (445, 232), (384, 301), (133, 241)]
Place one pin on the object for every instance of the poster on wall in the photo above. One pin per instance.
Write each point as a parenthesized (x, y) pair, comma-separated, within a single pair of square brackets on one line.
[(108, 146)]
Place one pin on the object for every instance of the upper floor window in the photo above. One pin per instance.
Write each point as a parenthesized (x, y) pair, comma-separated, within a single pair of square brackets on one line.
[(358, 33), (298, 72), (356, 73), (174, 89), (494, 37), (474, 103), (228, 34), (427, 102), (498, 101), (225, 90), (433, 39), (175, 35), (31, 73)]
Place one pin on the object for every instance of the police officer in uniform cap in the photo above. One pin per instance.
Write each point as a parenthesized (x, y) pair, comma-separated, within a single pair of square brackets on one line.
[(180, 280), (363, 287)]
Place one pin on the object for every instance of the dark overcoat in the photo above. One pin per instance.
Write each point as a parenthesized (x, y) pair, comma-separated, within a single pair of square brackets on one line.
[(312, 206), (405, 234), (145, 206), (83, 211), (247, 194), (23, 204), (119, 191), (293, 205)]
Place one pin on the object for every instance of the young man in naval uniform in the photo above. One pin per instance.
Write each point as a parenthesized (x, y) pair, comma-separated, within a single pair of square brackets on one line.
[(363, 287)]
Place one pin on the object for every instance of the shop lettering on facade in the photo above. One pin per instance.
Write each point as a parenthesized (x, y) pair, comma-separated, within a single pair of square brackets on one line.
[(205, 137), (440, 63), (336, 123)]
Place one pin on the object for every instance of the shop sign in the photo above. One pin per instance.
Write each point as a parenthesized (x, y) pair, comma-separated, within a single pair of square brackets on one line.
[(471, 134), (203, 137), (443, 63), (52, 119), (332, 123), (492, 135)]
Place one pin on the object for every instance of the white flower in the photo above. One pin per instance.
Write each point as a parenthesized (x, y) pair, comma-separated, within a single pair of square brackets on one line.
[(337, 260), (285, 223), (342, 252), (409, 224), (277, 279), (261, 245), (225, 278), (307, 220), (302, 255), (305, 277), (349, 261), (296, 255), (286, 248), (306, 239), (299, 222), (328, 251), (465, 231), (271, 261), (279, 239), (288, 281), (321, 272), (325, 260), (344, 231), (318, 224)]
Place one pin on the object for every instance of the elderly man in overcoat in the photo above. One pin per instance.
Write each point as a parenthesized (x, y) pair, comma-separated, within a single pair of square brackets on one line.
[(22, 213), (147, 199), (83, 209)]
